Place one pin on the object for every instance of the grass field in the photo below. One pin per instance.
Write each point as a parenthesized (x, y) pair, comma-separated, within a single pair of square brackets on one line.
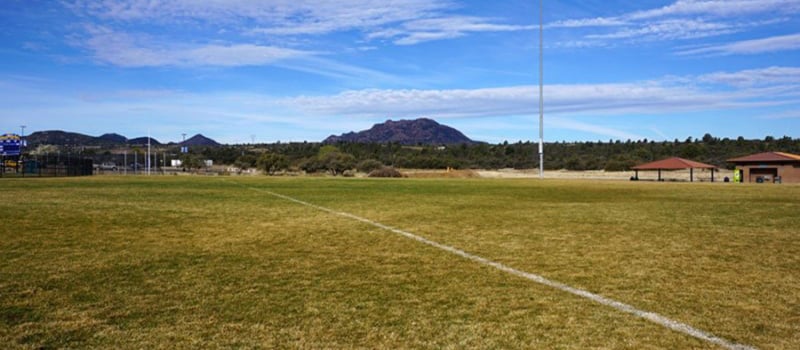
[(187, 262)]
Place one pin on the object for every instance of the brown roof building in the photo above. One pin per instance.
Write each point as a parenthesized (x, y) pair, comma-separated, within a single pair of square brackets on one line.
[(768, 167), (674, 163)]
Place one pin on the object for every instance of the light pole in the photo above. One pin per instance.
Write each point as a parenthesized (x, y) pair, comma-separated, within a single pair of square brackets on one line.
[(21, 139), (21, 149), (541, 91)]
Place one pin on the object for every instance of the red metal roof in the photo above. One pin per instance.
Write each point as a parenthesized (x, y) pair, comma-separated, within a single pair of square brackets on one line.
[(767, 157), (673, 163)]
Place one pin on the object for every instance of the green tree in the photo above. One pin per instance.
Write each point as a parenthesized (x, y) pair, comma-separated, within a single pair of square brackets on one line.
[(271, 163), (368, 165), (191, 161), (337, 162), (245, 161)]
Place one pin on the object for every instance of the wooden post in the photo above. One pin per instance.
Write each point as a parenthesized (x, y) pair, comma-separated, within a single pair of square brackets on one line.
[(659, 174), (691, 174), (712, 174)]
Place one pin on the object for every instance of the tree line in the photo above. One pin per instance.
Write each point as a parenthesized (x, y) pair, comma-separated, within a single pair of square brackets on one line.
[(610, 155)]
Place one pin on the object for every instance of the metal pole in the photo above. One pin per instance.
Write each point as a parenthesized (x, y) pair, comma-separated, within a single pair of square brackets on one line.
[(541, 91), (21, 149), (148, 152)]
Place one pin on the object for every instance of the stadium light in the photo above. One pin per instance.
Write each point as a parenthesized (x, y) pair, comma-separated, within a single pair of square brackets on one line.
[(541, 92)]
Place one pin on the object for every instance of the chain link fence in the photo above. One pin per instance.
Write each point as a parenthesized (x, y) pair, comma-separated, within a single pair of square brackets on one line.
[(45, 166)]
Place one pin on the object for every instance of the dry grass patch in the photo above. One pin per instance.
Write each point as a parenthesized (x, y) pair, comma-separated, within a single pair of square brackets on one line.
[(187, 262)]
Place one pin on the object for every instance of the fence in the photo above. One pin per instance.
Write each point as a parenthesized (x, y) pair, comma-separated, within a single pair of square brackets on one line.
[(45, 166)]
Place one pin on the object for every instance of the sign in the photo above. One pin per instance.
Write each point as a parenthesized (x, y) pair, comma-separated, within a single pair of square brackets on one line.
[(10, 144)]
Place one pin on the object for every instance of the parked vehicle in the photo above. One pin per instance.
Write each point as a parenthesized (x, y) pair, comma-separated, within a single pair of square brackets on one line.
[(108, 166)]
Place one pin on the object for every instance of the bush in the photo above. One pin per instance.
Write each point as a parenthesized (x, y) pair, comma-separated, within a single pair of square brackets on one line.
[(367, 166), (386, 171), (271, 163)]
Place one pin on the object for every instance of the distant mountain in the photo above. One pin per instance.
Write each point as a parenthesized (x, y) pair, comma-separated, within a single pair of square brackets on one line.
[(406, 132), (199, 140), (65, 138), (113, 138), (142, 141), (58, 137)]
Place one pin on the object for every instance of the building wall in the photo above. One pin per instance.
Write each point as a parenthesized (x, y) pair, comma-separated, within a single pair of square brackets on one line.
[(789, 173)]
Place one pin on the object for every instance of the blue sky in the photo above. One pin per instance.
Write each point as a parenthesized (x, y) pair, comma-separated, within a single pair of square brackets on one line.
[(295, 70)]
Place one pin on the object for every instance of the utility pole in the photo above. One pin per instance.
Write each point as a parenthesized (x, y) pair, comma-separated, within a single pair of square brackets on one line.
[(148, 152), (21, 150), (22, 143), (541, 91)]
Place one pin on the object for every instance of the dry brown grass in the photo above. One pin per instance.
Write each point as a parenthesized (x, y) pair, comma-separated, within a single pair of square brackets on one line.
[(187, 262), (441, 174)]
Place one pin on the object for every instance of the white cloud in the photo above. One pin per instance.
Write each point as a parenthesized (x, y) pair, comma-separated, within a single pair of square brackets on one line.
[(771, 86), (749, 47), (429, 29), (783, 115), (720, 8), (581, 107), (562, 123), (681, 20), (754, 77), (670, 29), (407, 21), (126, 50), (278, 16), (588, 22), (518, 100)]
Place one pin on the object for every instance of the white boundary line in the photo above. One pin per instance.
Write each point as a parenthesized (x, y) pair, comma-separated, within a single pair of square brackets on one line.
[(650, 316)]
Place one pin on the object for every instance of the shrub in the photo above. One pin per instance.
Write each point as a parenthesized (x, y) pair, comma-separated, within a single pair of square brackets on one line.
[(385, 172), (271, 163), (368, 165)]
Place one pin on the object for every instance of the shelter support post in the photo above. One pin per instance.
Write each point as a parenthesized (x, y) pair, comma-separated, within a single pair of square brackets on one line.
[(637, 174), (712, 175), (659, 174), (691, 174)]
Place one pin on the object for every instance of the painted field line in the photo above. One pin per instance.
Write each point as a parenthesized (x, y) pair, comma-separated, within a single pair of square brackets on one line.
[(650, 316)]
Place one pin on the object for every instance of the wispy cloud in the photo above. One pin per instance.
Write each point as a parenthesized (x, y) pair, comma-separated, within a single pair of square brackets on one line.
[(128, 50), (719, 8), (670, 29), (589, 22), (576, 99), (417, 31), (274, 17), (681, 20), (588, 108), (108, 46), (783, 115), (755, 77), (749, 47), (407, 22), (568, 124)]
